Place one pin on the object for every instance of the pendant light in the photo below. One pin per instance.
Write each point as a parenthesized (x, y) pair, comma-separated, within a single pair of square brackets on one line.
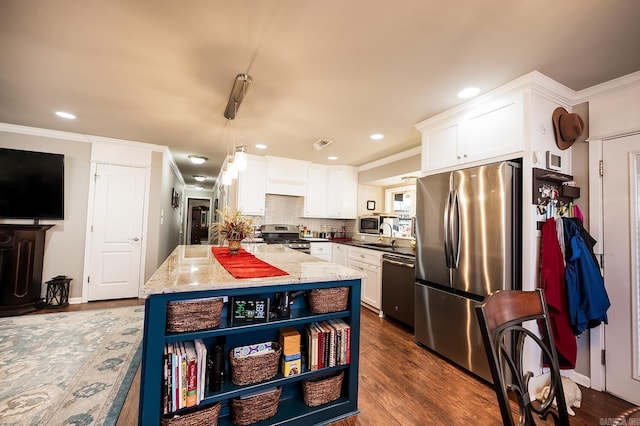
[(236, 159), (231, 167), (240, 158), (226, 177)]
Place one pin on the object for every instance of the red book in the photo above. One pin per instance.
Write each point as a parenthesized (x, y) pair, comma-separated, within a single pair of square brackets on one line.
[(192, 374), (321, 344)]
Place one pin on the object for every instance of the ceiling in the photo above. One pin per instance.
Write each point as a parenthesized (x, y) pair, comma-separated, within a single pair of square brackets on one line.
[(160, 71)]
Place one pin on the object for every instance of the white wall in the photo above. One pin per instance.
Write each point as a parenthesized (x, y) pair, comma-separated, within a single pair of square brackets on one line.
[(65, 242)]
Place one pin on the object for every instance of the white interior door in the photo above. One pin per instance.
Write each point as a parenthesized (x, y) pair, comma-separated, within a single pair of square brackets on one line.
[(621, 239), (116, 240)]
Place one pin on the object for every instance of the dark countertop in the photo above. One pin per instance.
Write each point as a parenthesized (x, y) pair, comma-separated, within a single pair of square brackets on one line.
[(387, 248)]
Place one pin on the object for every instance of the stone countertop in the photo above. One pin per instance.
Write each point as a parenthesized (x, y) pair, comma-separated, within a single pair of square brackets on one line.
[(194, 268), (387, 248)]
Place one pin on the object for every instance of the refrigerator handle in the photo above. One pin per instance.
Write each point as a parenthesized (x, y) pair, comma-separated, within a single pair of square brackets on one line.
[(447, 237), (455, 224)]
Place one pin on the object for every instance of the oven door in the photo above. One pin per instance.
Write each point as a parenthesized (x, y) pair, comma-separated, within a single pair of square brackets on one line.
[(369, 224)]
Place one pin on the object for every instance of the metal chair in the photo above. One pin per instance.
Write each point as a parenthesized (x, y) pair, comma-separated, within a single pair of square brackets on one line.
[(501, 317)]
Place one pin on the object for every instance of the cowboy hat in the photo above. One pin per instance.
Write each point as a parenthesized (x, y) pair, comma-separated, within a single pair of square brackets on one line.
[(568, 127)]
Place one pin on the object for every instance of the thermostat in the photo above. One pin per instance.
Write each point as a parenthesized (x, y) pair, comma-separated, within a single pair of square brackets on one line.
[(554, 161)]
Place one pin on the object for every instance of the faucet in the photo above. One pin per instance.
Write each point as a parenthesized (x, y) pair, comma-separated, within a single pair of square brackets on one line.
[(380, 231)]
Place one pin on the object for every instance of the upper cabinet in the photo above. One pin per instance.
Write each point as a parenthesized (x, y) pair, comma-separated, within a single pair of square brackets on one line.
[(286, 176), (511, 121), (484, 132), (248, 192), (332, 192)]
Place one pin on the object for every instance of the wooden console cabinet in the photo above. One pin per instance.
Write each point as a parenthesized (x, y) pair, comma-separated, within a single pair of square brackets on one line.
[(21, 257)]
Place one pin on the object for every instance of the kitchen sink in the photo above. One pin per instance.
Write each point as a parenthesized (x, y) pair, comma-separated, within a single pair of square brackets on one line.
[(377, 245)]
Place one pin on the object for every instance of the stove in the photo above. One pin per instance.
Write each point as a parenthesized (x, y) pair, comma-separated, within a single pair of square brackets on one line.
[(287, 235)]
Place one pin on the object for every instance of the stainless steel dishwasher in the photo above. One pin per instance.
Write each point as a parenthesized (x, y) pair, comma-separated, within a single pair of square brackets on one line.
[(398, 286)]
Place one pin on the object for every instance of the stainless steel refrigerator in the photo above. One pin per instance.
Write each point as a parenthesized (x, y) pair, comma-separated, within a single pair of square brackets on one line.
[(469, 244)]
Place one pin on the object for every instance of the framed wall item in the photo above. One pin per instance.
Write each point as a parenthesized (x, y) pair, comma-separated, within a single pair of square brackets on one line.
[(175, 198), (371, 205)]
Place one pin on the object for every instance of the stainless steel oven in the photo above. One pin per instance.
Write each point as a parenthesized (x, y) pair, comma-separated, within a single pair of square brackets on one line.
[(287, 235)]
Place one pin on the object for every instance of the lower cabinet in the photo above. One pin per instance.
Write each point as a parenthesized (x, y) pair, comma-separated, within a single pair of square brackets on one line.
[(339, 254), (291, 407), (369, 262), (321, 250)]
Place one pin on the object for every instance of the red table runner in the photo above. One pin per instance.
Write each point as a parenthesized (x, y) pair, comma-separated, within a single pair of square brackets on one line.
[(245, 265)]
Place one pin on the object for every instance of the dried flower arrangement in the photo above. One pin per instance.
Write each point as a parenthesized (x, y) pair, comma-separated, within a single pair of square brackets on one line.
[(233, 226)]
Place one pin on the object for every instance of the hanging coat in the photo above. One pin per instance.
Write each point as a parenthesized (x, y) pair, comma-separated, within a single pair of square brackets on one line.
[(555, 292), (586, 294)]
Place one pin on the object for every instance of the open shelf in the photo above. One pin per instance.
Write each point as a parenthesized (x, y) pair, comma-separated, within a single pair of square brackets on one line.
[(291, 408)]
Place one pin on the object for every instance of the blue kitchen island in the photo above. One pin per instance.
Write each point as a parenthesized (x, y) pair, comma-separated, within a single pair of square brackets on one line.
[(192, 272)]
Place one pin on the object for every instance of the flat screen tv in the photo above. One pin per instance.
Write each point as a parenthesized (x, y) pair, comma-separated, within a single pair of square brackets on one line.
[(31, 185)]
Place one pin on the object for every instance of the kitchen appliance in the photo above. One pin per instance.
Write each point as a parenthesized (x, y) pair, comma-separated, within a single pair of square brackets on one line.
[(288, 235), (398, 278), (469, 244), (406, 226), (373, 224)]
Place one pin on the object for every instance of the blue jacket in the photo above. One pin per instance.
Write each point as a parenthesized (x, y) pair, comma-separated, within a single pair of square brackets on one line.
[(587, 297)]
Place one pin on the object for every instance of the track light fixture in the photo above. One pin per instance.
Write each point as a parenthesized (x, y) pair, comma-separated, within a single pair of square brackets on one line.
[(238, 91)]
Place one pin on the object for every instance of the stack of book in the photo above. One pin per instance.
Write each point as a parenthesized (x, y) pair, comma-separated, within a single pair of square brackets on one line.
[(291, 356), (185, 374), (328, 344)]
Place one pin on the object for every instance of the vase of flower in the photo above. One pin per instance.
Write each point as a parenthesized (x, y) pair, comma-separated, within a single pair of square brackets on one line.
[(233, 228), (234, 246)]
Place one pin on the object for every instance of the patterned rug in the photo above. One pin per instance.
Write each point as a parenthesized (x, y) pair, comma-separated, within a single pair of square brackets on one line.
[(72, 368)]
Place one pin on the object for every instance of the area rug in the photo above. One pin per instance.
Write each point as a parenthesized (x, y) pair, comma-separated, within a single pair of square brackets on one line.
[(72, 368)]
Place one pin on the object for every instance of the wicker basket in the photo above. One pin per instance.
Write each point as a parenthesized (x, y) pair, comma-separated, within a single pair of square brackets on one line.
[(192, 315), (323, 300), (260, 407), (255, 368), (322, 389), (204, 416)]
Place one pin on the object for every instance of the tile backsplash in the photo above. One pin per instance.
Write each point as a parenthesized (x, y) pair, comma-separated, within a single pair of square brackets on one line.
[(284, 209)]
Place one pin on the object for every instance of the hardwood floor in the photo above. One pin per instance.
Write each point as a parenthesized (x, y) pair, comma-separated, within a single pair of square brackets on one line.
[(402, 383)]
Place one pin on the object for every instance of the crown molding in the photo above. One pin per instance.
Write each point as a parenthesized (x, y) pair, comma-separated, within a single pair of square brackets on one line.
[(77, 137), (608, 87), (391, 159), (534, 81)]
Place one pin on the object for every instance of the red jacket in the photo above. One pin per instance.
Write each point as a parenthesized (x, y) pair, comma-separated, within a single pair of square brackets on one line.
[(552, 281)]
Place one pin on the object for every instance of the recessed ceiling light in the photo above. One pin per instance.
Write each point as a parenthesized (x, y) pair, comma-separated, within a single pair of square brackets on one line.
[(468, 92), (261, 146), (332, 157), (199, 187), (377, 136), (199, 178), (66, 115), (197, 159)]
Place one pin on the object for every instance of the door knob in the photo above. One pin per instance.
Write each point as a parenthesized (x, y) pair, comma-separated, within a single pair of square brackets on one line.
[(135, 239)]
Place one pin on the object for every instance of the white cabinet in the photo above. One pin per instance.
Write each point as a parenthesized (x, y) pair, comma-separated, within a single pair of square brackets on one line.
[(486, 131), (315, 200), (321, 250), (342, 192), (332, 192), (250, 187), (286, 176), (339, 254), (369, 262)]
